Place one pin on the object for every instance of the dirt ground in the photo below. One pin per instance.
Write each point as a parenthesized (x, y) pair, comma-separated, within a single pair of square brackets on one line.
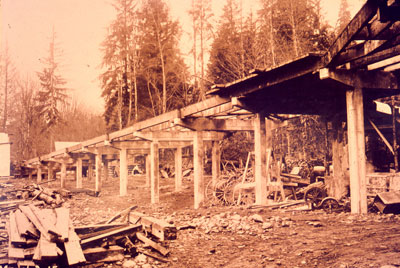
[(241, 237)]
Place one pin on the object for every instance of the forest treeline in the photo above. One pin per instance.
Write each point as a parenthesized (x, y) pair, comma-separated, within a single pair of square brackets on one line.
[(144, 72)]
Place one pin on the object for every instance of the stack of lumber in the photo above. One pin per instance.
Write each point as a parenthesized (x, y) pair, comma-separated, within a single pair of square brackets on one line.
[(46, 236), (41, 236)]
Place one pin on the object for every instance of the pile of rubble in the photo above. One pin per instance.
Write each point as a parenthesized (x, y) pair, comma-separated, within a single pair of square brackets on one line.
[(33, 236)]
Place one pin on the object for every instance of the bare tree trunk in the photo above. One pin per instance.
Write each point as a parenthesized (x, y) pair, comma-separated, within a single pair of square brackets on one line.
[(195, 48), (294, 30), (271, 32), (5, 95)]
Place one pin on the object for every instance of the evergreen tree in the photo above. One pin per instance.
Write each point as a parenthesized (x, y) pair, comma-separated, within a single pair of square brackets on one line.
[(160, 60), (120, 58), (52, 92), (344, 16)]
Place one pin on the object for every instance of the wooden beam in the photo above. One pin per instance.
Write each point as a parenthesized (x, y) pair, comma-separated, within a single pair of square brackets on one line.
[(376, 57), (79, 173), (177, 135), (359, 51), (50, 172), (155, 176), (105, 169), (356, 143), (381, 136), (123, 167), (178, 169), (373, 31), (363, 79), (384, 63), (198, 164), (260, 150), (359, 21), (205, 124)]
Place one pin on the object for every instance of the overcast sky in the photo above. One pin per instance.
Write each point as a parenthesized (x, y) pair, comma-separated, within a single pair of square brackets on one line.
[(80, 27)]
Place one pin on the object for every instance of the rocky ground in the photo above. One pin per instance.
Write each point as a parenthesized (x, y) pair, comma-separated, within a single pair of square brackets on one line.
[(241, 237)]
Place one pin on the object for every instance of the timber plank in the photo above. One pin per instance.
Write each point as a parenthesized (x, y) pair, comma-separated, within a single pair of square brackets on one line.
[(88, 229), (121, 232), (152, 244), (33, 218), (46, 250), (73, 248), (47, 218), (62, 222), (99, 254), (25, 227), (15, 236)]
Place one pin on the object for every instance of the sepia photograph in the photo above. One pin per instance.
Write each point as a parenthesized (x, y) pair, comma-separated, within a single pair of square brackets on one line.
[(200, 133)]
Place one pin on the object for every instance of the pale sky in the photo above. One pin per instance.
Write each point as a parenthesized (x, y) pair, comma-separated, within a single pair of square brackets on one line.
[(80, 27)]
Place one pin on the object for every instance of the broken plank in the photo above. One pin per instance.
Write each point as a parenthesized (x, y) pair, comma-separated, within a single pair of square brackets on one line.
[(73, 248), (25, 227), (34, 219), (46, 250), (15, 236), (152, 244), (121, 232), (123, 213), (62, 222), (99, 254)]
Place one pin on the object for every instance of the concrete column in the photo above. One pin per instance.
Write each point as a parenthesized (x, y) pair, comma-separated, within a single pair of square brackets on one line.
[(63, 174), (98, 172), (260, 150), (198, 164), (39, 175), (178, 169), (148, 170), (356, 143), (155, 176), (123, 172), (216, 162), (79, 173)]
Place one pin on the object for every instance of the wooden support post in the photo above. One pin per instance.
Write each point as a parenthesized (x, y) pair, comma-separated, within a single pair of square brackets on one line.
[(178, 169), (50, 172), (340, 178), (394, 132), (90, 170), (123, 172), (216, 162), (39, 175), (260, 150), (357, 158), (63, 173), (198, 163), (148, 170), (105, 169), (98, 172), (155, 176), (30, 175), (79, 173)]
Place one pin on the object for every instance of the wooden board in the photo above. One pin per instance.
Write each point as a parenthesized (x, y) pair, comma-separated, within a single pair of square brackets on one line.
[(99, 254), (15, 236), (152, 244), (62, 222), (25, 227), (47, 218), (159, 228), (45, 250), (32, 217), (73, 248), (121, 232), (87, 229)]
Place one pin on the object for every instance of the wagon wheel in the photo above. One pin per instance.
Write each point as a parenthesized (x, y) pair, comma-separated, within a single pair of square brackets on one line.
[(314, 195), (330, 205), (214, 192)]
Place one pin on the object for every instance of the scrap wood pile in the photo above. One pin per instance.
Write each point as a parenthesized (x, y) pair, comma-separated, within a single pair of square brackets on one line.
[(33, 236), (53, 197)]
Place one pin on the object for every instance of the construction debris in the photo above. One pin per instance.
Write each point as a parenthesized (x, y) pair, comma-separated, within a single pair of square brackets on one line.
[(43, 236)]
